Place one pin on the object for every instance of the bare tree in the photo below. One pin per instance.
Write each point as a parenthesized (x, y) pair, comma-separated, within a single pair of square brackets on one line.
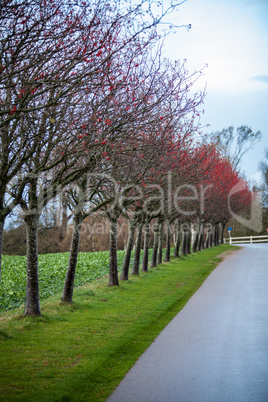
[(234, 145)]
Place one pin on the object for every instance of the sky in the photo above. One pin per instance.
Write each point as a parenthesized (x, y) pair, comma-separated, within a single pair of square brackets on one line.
[(231, 37)]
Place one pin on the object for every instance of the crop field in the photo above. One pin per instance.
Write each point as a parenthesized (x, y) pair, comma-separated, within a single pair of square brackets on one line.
[(52, 271)]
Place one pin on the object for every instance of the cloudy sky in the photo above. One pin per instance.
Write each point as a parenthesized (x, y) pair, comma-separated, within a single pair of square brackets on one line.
[(231, 36)]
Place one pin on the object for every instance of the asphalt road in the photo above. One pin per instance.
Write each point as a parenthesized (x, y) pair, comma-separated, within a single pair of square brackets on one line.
[(216, 348)]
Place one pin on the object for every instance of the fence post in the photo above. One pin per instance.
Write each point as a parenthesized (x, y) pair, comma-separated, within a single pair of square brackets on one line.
[(250, 239), (230, 240)]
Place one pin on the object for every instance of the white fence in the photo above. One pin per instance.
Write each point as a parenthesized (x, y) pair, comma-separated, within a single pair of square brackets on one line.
[(246, 239)]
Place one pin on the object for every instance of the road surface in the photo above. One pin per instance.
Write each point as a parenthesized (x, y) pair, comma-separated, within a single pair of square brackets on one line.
[(216, 348)]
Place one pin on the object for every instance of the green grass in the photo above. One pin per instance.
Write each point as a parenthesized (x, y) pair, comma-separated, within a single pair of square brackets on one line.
[(80, 352)]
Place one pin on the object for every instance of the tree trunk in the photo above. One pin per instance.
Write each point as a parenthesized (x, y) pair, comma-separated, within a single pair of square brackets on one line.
[(160, 244), (184, 244), (168, 239), (201, 238), (1, 243), (67, 295), (210, 239), (205, 239), (222, 232), (216, 235), (113, 275), (189, 238), (64, 218), (146, 247), (136, 262), (195, 242), (32, 302), (126, 263), (155, 246), (177, 239)]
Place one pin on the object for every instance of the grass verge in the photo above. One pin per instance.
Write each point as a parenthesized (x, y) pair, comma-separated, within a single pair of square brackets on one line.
[(81, 352)]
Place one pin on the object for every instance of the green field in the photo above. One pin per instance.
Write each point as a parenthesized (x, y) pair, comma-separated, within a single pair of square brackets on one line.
[(80, 352), (52, 271)]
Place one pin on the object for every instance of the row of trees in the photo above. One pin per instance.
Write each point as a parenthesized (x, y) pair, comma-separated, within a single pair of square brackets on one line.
[(92, 111)]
